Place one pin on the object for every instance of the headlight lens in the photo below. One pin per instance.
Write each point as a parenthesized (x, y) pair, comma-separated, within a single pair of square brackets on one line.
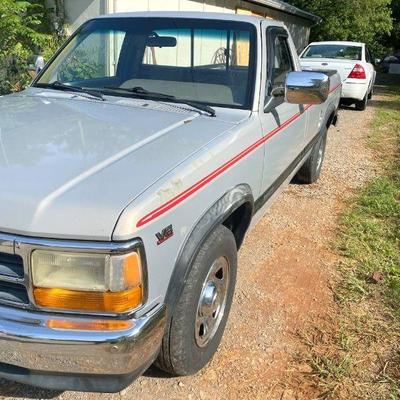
[(87, 282)]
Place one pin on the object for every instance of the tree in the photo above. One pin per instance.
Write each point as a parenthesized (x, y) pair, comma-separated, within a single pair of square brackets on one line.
[(392, 40), (25, 29), (365, 21)]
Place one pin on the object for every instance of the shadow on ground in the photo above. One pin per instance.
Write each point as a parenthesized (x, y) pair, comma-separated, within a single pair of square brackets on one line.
[(154, 372), (20, 391)]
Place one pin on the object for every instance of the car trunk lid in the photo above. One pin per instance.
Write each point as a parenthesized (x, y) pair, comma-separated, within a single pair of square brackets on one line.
[(343, 67)]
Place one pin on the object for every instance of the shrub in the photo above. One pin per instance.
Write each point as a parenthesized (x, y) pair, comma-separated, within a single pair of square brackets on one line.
[(25, 29)]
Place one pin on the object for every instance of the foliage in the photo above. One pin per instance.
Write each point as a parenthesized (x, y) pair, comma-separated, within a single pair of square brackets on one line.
[(365, 21), (392, 40), (25, 29), (81, 65), (396, 24)]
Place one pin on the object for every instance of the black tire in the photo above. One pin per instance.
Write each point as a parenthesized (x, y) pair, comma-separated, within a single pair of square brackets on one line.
[(370, 94), (362, 105), (180, 352), (311, 169)]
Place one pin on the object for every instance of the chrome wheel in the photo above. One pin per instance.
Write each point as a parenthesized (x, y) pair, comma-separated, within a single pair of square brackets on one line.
[(211, 306)]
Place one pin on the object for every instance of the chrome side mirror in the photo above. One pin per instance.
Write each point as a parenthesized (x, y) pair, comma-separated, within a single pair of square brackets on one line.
[(35, 65), (303, 87)]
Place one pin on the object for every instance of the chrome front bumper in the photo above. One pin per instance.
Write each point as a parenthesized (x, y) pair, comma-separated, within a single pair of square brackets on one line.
[(30, 348)]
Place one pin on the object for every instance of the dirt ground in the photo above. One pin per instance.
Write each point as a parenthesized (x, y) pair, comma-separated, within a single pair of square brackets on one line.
[(285, 269)]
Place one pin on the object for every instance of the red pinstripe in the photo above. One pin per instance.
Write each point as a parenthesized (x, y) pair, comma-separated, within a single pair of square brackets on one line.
[(220, 170)]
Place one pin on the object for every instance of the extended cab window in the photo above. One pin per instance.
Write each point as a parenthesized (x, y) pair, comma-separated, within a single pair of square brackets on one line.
[(207, 61), (175, 56)]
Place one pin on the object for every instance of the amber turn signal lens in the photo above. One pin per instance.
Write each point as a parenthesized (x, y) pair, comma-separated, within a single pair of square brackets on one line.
[(132, 270), (110, 302), (89, 326)]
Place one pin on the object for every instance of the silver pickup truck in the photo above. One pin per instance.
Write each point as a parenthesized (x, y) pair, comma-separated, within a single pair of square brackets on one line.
[(131, 170)]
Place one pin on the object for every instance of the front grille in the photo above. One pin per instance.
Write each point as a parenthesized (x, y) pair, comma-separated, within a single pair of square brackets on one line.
[(12, 289), (13, 293), (11, 265)]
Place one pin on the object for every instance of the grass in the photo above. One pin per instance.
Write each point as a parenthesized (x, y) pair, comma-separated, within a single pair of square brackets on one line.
[(357, 353), (370, 227)]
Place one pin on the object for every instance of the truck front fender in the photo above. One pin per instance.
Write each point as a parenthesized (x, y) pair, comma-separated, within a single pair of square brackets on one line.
[(220, 211)]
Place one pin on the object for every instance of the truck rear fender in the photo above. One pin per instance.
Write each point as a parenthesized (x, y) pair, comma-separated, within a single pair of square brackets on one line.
[(332, 119), (331, 115)]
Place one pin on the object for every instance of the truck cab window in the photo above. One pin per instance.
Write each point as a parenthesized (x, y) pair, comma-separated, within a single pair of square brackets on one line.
[(282, 62), (172, 56)]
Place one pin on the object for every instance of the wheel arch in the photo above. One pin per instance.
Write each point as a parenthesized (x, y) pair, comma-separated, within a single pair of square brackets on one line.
[(233, 210), (331, 116)]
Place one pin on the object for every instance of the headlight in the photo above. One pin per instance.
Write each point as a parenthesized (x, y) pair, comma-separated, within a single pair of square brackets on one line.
[(87, 282)]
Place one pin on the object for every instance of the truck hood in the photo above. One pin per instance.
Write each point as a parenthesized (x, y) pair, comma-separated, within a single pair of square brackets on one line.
[(69, 165)]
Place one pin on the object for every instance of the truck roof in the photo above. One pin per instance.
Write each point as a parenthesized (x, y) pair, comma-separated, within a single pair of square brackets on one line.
[(252, 19)]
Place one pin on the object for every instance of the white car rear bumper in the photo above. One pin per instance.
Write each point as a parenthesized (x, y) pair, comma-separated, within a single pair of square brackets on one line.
[(354, 89)]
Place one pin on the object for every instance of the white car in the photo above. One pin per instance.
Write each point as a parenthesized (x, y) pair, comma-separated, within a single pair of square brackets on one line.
[(354, 63)]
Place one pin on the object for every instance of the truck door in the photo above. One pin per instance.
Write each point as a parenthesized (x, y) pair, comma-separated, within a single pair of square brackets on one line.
[(283, 124)]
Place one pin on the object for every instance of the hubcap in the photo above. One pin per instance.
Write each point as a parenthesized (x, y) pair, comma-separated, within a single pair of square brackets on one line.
[(212, 301)]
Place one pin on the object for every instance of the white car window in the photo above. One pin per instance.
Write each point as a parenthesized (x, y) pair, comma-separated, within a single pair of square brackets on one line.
[(334, 51)]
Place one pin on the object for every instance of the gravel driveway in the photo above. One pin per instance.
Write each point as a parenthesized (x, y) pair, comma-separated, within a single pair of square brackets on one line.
[(285, 267)]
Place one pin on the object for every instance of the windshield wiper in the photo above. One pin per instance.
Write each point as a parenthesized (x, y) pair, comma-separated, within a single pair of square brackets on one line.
[(141, 92), (62, 86)]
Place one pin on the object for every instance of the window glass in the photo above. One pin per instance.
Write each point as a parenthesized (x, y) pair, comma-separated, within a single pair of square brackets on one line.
[(391, 59), (221, 48), (211, 48), (282, 63), (209, 61), (96, 56), (334, 51), (240, 48), (368, 57), (176, 56)]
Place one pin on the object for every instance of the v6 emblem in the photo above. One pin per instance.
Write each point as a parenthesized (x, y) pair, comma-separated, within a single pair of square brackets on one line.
[(164, 235)]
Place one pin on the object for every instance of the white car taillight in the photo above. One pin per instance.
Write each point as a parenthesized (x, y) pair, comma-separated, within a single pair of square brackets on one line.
[(358, 72)]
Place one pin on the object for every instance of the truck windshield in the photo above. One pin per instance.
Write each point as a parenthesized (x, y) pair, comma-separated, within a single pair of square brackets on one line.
[(334, 51), (199, 60)]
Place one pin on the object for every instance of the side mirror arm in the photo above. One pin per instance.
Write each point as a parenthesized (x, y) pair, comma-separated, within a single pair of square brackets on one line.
[(276, 98), (278, 91)]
